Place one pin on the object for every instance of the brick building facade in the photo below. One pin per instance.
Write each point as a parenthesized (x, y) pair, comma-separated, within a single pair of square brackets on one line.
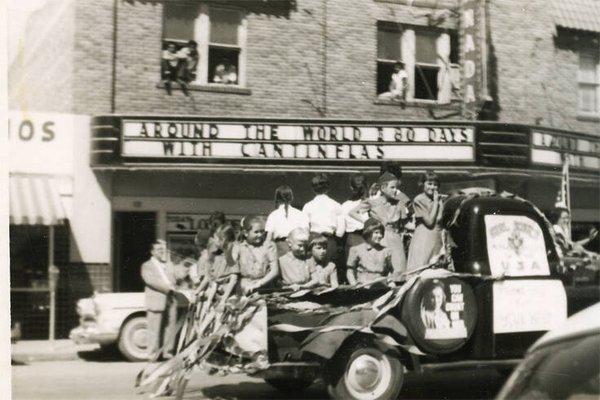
[(304, 59), (313, 60)]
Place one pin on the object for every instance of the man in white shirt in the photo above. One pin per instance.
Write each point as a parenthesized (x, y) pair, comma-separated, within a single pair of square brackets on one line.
[(325, 216)]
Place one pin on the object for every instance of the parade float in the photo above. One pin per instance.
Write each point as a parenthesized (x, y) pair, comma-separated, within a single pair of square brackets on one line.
[(498, 288)]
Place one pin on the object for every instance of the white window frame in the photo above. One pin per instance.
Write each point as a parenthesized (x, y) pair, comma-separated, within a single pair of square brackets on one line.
[(408, 54), (201, 36), (581, 82)]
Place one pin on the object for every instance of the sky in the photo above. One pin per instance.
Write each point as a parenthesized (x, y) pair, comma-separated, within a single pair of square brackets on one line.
[(18, 13)]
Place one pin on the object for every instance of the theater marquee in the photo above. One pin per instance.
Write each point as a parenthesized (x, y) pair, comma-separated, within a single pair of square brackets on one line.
[(282, 141)]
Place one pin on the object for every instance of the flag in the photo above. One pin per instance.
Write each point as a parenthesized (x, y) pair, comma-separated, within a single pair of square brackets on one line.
[(563, 198)]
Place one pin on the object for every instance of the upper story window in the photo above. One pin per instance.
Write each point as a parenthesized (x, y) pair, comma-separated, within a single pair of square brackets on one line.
[(203, 44), (416, 64), (589, 82)]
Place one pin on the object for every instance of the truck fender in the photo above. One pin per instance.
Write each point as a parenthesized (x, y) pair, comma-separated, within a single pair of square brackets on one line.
[(326, 343)]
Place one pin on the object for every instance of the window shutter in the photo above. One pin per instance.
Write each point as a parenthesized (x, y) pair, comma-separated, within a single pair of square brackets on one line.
[(408, 56), (444, 78)]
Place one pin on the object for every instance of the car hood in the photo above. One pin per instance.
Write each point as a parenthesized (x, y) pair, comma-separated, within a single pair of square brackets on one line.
[(584, 322), (120, 300)]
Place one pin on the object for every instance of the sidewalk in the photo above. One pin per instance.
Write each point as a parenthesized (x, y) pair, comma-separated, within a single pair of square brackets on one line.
[(43, 350)]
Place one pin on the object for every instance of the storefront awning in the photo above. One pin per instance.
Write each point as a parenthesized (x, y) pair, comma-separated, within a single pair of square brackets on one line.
[(34, 200), (582, 15)]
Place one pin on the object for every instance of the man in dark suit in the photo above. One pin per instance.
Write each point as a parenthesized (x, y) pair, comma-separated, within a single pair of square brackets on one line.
[(161, 310)]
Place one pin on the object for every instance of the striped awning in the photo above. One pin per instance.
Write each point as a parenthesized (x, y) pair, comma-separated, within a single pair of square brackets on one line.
[(583, 15), (34, 200)]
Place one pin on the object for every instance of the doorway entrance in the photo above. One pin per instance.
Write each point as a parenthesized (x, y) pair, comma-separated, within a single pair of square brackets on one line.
[(134, 233)]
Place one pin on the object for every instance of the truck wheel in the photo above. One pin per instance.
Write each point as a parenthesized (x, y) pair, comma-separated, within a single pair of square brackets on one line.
[(364, 372), (133, 339), (290, 385)]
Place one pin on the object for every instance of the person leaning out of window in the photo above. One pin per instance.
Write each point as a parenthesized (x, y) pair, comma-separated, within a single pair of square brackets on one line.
[(188, 62), (398, 84)]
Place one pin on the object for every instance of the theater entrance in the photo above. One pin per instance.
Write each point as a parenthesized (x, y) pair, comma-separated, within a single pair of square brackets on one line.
[(134, 233)]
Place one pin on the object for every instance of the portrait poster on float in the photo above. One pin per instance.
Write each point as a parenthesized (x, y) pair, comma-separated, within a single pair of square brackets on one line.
[(515, 245)]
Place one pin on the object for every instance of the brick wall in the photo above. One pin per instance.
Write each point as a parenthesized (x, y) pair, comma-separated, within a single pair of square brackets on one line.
[(533, 70), (285, 63), (536, 79), (93, 55)]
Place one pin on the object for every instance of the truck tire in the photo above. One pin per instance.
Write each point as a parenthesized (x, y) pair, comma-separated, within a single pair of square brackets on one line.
[(290, 385), (419, 298), (364, 372), (134, 338)]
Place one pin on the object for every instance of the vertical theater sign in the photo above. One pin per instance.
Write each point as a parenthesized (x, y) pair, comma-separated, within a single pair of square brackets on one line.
[(473, 44)]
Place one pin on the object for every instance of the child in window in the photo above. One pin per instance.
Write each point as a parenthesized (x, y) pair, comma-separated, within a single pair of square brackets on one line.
[(168, 66), (188, 62), (256, 257), (294, 267), (370, 260), (324, 271), (398, 84)]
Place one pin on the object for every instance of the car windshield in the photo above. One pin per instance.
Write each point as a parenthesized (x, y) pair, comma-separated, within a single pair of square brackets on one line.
[(566, 370)]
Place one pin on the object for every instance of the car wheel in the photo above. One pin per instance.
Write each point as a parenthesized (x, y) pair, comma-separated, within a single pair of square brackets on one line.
[(133, 340), (363, 372), (290, 385)]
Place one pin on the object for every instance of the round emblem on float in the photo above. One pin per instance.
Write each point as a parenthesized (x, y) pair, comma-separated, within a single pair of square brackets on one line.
[(440, 314)]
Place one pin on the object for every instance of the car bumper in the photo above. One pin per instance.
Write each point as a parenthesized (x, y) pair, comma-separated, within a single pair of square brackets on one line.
[(92, 334)]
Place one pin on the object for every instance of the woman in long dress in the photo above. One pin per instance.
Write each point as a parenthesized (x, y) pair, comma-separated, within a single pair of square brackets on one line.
[(427, 238)]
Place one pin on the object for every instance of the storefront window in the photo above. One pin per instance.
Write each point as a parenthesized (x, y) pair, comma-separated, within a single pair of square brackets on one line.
[(202, 44)]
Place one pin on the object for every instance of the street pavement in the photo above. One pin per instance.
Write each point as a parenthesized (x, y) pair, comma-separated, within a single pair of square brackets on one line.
[(98, 376)]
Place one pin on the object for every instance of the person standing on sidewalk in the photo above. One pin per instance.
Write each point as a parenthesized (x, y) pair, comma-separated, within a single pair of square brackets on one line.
[(161, 309)]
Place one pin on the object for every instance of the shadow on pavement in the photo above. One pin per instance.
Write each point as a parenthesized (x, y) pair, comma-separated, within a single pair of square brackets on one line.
[(108, 354), (477, 384), (254, 390)]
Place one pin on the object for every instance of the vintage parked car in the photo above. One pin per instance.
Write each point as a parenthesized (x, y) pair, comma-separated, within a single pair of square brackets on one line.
[(113, 318), (562, 364)]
